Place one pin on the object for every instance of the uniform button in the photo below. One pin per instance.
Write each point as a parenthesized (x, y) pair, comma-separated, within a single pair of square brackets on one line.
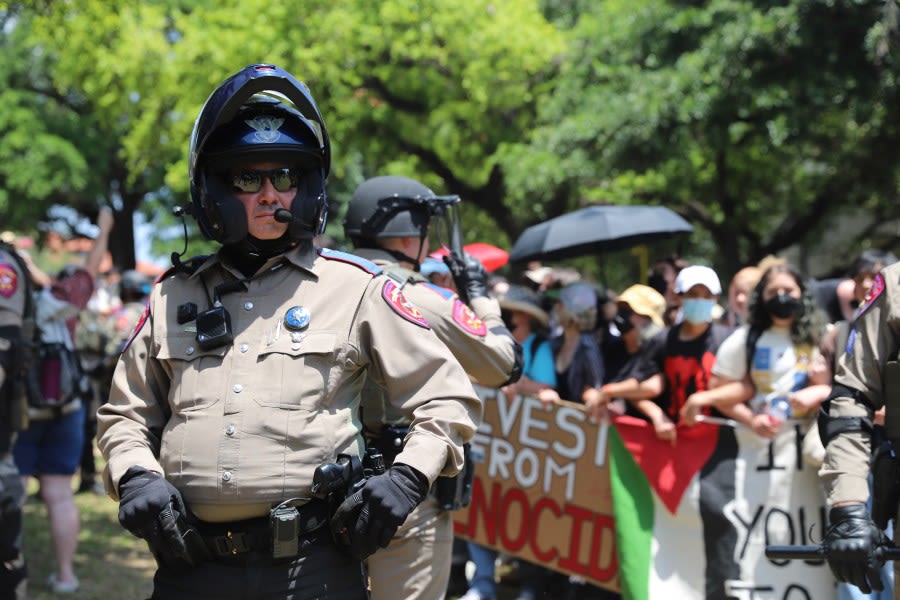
[(237, 388), (244, 347), (229, 430), (295, 346), (190, 350), (226, 476), (248, 306)]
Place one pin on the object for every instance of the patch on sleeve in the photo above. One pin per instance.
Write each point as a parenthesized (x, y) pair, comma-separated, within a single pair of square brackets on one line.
[(9, 280), (137, 328), (466, 318), (876, 290), (393, 295)]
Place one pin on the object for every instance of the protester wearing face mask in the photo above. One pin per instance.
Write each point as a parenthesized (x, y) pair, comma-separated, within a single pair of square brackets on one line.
[(639, 318), (676, 362), (773, 361)]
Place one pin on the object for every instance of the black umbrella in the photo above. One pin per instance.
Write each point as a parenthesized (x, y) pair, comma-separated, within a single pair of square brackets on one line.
[(597, 229)]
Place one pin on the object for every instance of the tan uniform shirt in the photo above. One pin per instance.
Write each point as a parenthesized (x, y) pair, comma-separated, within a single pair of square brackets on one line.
[(476, 336), (243, 426), (873, 347)]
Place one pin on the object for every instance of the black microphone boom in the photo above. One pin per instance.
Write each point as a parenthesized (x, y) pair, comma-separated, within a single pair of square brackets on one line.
[(283, 215)]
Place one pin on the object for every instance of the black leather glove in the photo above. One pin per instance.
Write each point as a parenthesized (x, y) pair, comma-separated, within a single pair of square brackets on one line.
[(851, 545), (373, 513), (469, 275), (143, 495)]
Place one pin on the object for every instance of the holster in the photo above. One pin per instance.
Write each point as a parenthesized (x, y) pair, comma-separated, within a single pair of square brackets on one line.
[(174, 542), (453, 493), (885, 484)]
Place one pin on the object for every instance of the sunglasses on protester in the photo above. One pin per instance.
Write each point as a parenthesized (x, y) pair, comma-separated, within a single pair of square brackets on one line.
[(251, 180)]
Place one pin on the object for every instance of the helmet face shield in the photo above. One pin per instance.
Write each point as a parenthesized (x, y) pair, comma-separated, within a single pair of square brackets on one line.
[(445, 228)]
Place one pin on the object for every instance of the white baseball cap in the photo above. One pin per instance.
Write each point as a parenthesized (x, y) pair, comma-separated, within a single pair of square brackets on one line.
[(688, 277)]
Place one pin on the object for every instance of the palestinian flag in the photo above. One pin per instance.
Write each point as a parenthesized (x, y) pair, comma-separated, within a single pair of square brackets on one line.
[(693, 519)]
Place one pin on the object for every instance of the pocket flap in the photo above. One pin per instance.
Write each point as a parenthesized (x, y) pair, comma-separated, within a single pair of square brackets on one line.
[(310, 343), (185, 347)]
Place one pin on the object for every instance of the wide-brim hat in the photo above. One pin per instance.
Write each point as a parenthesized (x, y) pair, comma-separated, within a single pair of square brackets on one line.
[(525, 300), (645, 301)]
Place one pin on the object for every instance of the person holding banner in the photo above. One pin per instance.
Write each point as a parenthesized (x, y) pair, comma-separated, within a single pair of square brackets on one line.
[(388, 221)]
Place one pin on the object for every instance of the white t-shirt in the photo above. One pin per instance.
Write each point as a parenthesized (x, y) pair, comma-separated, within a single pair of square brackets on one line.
[(778, 367)]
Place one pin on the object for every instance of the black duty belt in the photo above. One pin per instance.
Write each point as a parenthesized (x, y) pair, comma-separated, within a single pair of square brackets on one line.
[(239, 542)]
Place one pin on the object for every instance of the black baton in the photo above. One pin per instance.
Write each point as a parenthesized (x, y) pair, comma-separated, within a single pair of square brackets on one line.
[(819, 553)]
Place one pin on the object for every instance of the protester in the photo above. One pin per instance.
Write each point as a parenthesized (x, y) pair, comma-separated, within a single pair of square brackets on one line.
[(389, 220), (578, 362), (739, 291), (242, 386), (50, 448), (774, 357)]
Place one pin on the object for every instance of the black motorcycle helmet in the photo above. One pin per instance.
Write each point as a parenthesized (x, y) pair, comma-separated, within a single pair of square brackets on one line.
[(391, 206), (261, 113)]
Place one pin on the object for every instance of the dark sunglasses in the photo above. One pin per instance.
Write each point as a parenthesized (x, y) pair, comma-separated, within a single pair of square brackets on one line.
[(251, 180)]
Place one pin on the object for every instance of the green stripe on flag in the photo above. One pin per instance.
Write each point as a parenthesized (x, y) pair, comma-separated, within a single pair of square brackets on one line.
[(632, 502)]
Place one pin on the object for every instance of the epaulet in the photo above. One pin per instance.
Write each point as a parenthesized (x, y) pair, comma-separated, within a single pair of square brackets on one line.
[(351, 259), (441, 291), (189, 266)]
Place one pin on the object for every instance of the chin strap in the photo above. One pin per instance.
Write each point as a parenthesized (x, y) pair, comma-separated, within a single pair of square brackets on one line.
[(401, 257)]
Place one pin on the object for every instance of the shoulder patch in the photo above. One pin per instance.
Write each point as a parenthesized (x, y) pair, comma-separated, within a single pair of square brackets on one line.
[(351, 259), (9, 280), (137, 327), (876, 290), (393, 295), (466, 318), (440, 291)]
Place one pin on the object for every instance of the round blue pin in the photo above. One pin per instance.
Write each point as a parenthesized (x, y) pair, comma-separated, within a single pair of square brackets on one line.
[(296, 318)]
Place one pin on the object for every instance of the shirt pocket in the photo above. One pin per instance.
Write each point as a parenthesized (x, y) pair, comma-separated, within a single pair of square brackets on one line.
[(294, 375), (197, 377)]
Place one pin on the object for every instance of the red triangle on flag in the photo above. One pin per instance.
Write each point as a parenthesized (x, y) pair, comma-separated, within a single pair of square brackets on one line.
[(669, 469)]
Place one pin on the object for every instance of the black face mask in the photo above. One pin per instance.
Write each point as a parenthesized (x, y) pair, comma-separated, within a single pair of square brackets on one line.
[(783, 306)]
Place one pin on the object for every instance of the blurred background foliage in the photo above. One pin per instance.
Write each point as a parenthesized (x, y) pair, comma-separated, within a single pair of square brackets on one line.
[(772, 126)]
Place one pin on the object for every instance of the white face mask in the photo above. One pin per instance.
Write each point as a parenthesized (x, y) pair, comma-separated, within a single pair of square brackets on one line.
[(697, 310)]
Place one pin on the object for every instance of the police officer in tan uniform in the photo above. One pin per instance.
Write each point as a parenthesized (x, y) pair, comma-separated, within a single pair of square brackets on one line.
[(14, 296), (388, 221), (867, 379), (243, 384)]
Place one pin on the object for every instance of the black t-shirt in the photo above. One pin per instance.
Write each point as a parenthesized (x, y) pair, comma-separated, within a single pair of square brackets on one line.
[(686, 365)]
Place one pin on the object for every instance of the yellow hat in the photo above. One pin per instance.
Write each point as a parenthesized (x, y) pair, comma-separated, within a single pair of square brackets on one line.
[(646, 301)]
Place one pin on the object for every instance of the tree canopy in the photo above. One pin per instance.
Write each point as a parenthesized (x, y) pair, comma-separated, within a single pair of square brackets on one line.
[(765, 124)]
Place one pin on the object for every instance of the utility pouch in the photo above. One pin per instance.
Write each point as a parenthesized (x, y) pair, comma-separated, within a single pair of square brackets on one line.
[(175, 542), (885, 488), (285, 523), (453, 493)]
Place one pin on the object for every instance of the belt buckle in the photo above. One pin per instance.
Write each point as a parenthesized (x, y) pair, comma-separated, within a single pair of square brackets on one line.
[(232, 543)]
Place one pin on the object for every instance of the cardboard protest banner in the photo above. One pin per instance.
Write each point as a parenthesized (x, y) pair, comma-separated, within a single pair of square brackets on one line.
[(541, 488), (616, 506)]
